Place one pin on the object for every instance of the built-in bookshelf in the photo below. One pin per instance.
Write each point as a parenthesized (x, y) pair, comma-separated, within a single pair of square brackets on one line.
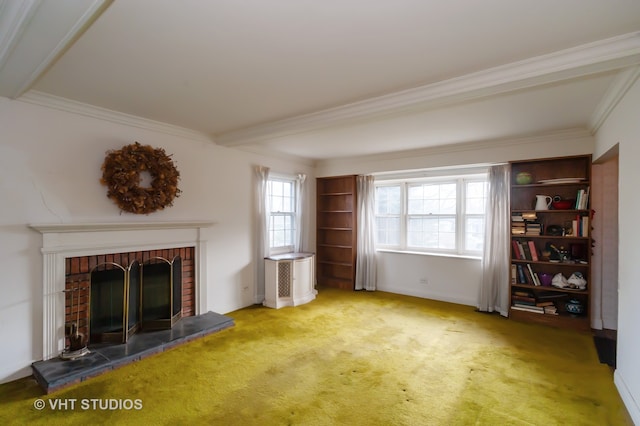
[(551, 241), (336, 230)]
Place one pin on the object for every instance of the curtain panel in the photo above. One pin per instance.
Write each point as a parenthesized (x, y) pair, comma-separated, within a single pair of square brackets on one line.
[(494, 288), (366, 273), (263, 212)]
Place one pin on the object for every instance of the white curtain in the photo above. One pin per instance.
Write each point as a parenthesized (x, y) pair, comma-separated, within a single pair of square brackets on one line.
[(366, 273), (494, 289), (262, 220), (301, 200)]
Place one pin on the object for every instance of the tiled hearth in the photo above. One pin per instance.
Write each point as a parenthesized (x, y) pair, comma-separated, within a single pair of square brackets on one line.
[(55, 374)]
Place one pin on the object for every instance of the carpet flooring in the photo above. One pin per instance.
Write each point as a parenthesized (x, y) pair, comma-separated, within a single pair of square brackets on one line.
[(346, 358)]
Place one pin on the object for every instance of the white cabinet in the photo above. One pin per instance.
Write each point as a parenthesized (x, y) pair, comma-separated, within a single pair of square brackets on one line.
[(289, 280)]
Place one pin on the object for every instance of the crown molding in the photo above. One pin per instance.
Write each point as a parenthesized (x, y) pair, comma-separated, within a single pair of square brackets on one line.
[(273, 153), (36, 34), (615, 93), (538, 138), (588, 59), (75, 107), (13, 18)]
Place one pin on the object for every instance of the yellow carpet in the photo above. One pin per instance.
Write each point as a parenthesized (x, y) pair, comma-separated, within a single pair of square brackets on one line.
[(347, 358)]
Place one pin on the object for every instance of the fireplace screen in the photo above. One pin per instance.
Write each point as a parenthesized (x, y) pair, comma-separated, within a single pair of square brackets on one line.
[(141, 297)]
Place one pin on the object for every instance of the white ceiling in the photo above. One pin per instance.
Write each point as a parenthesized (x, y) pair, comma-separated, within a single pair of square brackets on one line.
[(325, 79)]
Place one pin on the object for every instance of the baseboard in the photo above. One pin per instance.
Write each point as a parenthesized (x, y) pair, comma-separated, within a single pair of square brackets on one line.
[(20, 374), (629, 402), (429, 295)]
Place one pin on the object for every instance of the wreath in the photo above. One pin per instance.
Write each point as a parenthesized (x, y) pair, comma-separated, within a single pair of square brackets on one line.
[(121, 174)]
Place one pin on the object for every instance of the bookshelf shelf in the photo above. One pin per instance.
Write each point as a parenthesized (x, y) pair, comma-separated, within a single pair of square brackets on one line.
[(554, 264), (551, 243), (550, 289), (550, 211)]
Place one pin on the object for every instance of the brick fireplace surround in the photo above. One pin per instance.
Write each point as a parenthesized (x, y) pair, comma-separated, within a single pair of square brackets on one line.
[(77, 280), (68, 244)]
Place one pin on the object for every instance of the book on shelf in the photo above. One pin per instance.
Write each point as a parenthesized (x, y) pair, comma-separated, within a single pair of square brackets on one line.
[(529, 216), (584, 229), (518, 228), (582, 199), (527, 308), (534, 277), (580, 226), (521, 278), (525, 300), (533, 251), (533, 228), (516, 249), (524, 250), (514, 274), (531, 307), (550, 295)]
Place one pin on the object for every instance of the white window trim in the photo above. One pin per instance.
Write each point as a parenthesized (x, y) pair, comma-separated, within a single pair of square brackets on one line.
[(432, 176), (288, 248)]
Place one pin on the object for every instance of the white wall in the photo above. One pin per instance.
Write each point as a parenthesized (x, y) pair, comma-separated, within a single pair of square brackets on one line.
[(623, 128), (604, 262), (49, 173), (450, 279)]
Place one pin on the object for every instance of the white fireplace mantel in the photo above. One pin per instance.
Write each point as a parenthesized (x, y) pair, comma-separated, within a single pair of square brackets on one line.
[(60, 241)]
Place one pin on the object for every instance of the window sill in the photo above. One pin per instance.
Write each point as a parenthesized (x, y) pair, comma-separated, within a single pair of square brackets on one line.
[(424, 253)]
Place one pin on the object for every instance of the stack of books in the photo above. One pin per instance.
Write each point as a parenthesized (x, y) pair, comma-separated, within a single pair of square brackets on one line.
[(533, 228), (529, 302), (517, 224), (525, 224)]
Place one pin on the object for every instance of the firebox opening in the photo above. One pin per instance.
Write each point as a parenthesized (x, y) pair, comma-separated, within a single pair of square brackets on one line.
[(136, 298)]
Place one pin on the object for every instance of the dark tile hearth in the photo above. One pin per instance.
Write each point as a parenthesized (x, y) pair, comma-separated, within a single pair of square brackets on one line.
[(57, 373)]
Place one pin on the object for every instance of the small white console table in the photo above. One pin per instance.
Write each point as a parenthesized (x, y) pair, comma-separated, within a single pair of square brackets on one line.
[(289, 280)]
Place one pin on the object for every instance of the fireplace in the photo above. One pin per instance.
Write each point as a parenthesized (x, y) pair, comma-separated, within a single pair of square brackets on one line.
[(170, 252), (110, 297)]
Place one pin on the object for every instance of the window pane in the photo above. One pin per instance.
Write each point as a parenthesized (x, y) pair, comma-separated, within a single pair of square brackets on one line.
[(388, 230), (388, 200), (278, 223), (475, 205), (432, 199), (447, 206), (432, 232), (416, 206), (474, 233), (276, 204), (476, 197)]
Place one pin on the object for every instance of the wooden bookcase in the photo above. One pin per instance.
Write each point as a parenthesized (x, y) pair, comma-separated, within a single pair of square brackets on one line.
[(562, 246), (336, 231)]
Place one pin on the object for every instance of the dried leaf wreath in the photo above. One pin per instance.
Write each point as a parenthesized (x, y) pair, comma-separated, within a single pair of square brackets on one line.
[(121, 173)]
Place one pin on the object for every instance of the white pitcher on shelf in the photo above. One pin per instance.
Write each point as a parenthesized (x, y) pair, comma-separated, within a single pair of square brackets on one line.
[(543, 202)]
